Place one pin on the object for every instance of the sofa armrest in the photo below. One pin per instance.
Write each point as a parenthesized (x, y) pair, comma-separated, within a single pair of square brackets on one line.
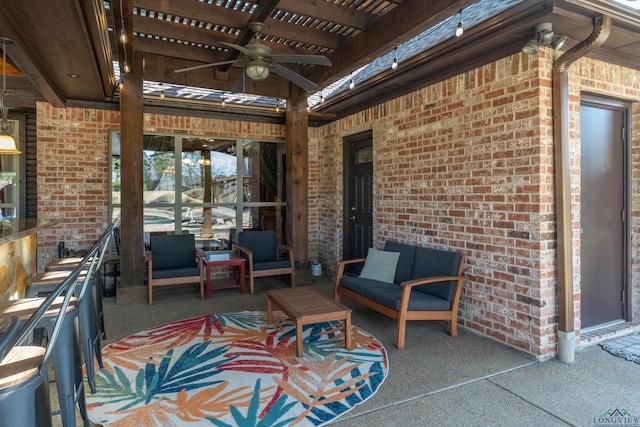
[(406, 291), (340, 273), (428, 280)]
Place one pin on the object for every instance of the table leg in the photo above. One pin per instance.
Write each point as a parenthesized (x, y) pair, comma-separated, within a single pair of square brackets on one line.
[(242, 276), (299, 346), (347, 332), (207, 271), (269, 310)]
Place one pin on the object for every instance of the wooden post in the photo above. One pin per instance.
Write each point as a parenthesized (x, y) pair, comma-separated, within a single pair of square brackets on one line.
[(297, 229), (131, 223)]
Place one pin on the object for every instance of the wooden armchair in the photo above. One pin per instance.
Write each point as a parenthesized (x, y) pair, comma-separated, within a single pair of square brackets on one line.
[(172, 260), (260, 250)]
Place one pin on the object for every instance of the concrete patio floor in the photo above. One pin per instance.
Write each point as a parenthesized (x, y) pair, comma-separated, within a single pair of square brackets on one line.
[(436, 380)]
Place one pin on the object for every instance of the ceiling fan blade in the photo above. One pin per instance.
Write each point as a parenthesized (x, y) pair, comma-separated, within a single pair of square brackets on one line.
[(294, 78), (303, 59), (197, 67), (241, 83), (238, 47)]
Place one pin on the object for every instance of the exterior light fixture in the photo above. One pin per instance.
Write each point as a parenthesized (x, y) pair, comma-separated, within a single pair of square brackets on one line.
[(460, 28), (394, 65), (544, 36), (7, 143)]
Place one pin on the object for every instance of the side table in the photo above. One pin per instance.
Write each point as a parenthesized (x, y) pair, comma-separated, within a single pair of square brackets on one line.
[(221, 260)]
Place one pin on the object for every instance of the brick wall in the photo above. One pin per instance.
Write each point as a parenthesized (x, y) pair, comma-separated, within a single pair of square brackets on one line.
[(467, 164), (73, 169)]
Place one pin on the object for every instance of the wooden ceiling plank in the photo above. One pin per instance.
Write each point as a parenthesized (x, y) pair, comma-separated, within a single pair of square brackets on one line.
[(403, 22), (304, 34), (173, 30), (193, 9), (178, 50), (327, 11)]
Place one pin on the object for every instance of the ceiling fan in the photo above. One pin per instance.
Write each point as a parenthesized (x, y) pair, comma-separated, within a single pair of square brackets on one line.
[(259, 61)]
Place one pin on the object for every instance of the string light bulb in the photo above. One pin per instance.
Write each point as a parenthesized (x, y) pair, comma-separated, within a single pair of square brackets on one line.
[(224, 103), (161, 91), (351, 83), (278, 107), (321, 98), (394, 65), (123, 36), (126, 68), (120, 84), (460, 28)]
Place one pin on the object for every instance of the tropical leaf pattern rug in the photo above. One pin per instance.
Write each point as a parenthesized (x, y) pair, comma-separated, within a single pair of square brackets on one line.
[(235, 369)]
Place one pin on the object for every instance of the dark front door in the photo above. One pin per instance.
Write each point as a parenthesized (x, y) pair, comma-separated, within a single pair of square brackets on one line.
[(358, 202), (603, 213)]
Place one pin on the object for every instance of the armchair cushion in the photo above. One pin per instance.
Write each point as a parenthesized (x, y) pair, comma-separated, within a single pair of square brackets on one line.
[(173, 251), (261, 243), (257, 266), (380, 265), (175, 272)]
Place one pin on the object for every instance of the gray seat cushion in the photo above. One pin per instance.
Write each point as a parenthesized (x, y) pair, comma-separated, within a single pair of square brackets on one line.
[(417, 302), (359, 285)]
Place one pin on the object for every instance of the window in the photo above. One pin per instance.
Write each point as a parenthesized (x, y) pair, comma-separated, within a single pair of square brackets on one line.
[(9, 182), (207, 186)]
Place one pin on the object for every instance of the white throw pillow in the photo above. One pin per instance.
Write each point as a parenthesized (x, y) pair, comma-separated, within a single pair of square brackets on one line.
[(380, 265)]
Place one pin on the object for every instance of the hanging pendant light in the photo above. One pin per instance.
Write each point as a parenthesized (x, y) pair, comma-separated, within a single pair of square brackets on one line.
[(7, 143)]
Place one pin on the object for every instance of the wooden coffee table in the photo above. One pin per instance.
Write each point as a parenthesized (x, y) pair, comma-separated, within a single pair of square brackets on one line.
[(221, 260), (305, 305)]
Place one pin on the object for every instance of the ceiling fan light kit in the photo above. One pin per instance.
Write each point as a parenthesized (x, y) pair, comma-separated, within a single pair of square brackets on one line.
[(260, 62), (257, 69)]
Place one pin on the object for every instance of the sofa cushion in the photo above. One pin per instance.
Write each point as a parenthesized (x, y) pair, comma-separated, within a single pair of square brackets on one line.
[(359, 285), (418, 302), (261, 243), (433, 262), (405, 262), (380, 265)]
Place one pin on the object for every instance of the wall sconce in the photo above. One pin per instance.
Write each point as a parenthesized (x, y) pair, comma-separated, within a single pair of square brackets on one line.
[(7, 143)]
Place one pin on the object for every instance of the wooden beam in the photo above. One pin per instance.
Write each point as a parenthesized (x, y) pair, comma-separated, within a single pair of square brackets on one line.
[(198, 11), (97, 36), (131, 222), (297, 231), (299, 33), (403, 22), (177, 50), (16, 24)]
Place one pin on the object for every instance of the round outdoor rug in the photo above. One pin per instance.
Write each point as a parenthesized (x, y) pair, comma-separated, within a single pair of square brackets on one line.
[(235, 369)]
